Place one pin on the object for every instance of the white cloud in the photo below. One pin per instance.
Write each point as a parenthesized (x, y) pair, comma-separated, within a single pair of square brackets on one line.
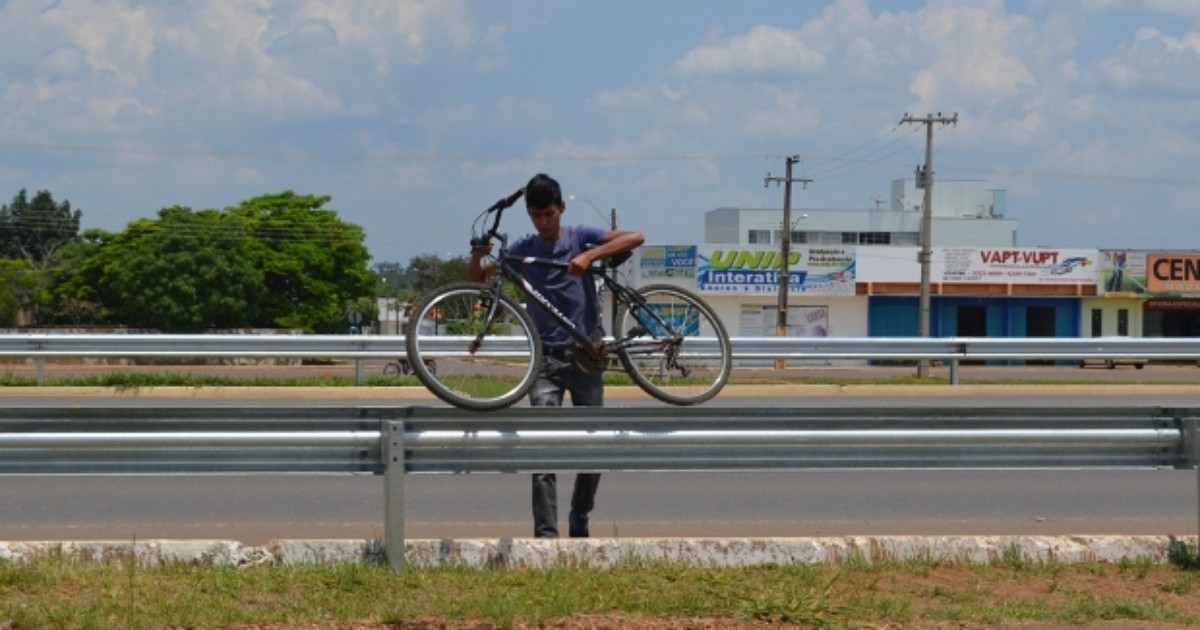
[(342, 96), (1185, 8), (305, 37), (148, 65), (1154, 59), (786, 114), (764, 50), (638, 97)]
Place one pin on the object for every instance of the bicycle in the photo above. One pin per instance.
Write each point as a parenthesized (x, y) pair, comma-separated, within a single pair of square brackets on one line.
[(401, 366), (488, 352)]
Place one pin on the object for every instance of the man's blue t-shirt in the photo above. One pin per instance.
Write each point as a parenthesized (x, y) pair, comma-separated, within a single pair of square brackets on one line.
[(573, 296)]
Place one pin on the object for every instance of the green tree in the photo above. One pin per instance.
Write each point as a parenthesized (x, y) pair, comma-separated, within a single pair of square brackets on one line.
[(19, 288), (184, 272), (274, 261), (312, 262), (34, 229), (392, 279), (427, 272), (74, 273)]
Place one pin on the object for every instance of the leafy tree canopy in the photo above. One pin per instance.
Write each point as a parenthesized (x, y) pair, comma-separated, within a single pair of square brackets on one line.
[(34, 229), (313, 263), (280, 260), (184, 272), (18, 288)]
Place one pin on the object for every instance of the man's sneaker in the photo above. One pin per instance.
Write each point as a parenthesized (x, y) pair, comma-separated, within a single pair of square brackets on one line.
[(579, 525)]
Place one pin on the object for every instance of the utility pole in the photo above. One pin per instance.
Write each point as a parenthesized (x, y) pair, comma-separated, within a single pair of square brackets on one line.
[(927, 224), (785, 247)]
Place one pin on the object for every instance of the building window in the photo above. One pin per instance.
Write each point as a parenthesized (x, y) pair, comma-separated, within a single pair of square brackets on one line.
[(760, 237), (797, 237), (825, 238), (869, 238), (875, 238)]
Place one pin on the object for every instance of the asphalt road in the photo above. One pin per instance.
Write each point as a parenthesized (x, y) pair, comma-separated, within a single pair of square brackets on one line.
[(255, 509)]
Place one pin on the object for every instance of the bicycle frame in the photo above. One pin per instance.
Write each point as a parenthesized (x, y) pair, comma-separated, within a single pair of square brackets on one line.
[(649, 324), (507, 265)]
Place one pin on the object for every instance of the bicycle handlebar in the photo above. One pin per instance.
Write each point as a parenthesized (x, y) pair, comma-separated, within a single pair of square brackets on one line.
[(507, 201), (497, 208)]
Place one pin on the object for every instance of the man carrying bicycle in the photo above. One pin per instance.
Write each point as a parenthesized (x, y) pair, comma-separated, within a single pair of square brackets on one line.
[(572, 293)]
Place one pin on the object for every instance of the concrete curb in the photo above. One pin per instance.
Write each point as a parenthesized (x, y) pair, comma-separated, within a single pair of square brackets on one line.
[(532, 553)]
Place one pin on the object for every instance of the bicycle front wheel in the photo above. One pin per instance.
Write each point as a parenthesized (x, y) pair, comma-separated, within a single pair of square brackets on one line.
[(673, 345), (473, 347)]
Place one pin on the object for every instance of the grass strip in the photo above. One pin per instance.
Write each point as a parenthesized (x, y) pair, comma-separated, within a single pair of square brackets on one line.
[(56, 592)]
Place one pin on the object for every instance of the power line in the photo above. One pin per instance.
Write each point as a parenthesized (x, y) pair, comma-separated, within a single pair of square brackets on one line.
[(861, 163), (298, 156)]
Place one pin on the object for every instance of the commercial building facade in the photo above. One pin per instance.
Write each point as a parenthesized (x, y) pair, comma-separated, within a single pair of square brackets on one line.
[(856, 273)]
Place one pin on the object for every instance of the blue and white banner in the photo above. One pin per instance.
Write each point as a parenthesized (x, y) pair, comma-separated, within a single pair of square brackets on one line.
[(753, 270), (668, 261)]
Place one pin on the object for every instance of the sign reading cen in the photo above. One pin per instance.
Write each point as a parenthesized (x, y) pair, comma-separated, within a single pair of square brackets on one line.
[(1172, 273)]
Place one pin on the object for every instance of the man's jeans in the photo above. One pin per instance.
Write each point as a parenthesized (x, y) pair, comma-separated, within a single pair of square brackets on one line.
[(559, 375)]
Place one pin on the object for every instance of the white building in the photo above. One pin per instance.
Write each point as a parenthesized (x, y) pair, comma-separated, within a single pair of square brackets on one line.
[(965, 213)]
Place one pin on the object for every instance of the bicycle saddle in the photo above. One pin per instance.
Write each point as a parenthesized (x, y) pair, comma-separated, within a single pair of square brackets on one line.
[(615, 261)]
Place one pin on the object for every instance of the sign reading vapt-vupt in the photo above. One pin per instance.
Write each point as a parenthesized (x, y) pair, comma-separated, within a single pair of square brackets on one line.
[(753, 271)]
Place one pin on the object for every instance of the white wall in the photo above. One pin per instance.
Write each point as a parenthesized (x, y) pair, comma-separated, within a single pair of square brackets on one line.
[(847, 316), (1108, 316)]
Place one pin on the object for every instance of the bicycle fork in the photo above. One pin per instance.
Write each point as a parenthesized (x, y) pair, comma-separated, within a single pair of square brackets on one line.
[(490, 305)]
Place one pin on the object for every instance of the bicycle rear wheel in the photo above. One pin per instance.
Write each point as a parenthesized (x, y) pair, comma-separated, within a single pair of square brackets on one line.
[(472, 347), (673, 345)]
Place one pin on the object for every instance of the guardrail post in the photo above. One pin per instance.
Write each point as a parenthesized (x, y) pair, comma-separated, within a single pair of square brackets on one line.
[(358, 372), (41, 371), (392, 436), (1191, 450), (954, 371)]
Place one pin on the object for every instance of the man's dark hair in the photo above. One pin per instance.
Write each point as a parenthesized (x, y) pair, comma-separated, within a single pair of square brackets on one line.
[(542, 191)]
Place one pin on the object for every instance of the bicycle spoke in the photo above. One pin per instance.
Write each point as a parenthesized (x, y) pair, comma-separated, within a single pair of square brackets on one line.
[(468, 359), (673, 345)]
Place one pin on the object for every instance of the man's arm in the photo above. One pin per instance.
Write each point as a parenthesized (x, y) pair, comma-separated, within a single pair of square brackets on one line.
[(615, 242)]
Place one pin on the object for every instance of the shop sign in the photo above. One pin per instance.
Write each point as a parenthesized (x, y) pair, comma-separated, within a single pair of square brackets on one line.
[(1173, 274), (1172, 305), (756, 271), (668, 261), (1122, 273), (1014, 265)]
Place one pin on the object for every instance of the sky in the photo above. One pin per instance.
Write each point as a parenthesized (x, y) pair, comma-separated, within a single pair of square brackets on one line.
[(416, 115)]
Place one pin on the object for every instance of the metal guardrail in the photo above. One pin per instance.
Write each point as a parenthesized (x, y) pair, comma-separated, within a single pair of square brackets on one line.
[(395, 441), (950, 350), (33, 345)]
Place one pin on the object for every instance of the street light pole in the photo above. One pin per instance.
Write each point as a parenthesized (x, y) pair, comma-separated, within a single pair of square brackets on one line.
[(785, 249), (611, 219)]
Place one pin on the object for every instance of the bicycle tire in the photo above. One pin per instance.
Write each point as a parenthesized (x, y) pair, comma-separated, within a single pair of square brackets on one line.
[(684, 377), (494, 375), (392, 369)]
